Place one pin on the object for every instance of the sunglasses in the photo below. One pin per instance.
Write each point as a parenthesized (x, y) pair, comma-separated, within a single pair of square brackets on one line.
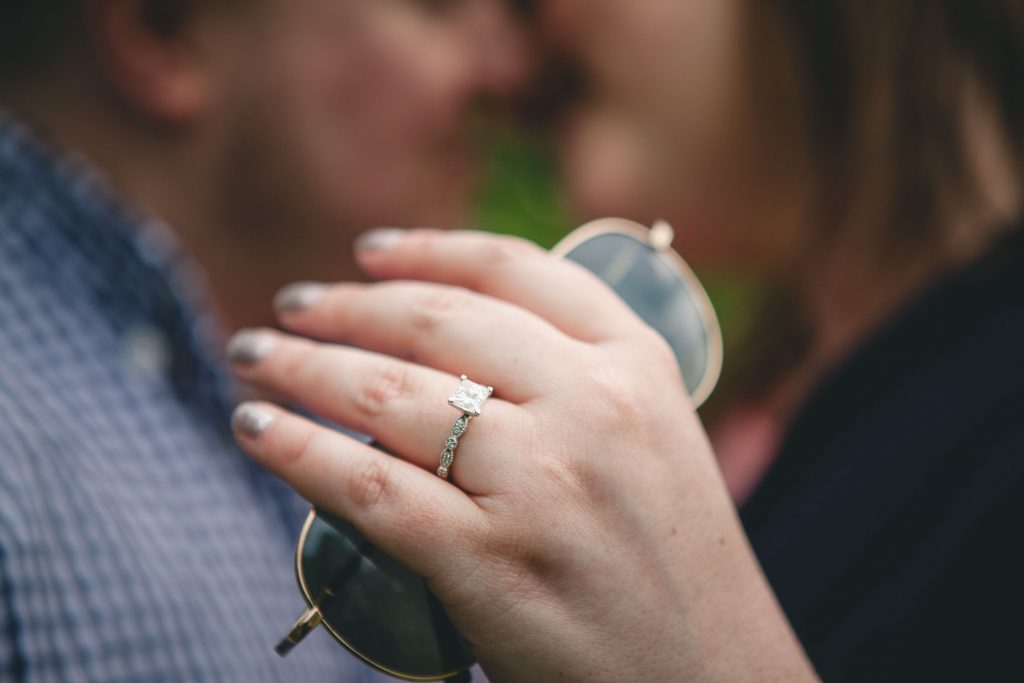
[(384, 614)]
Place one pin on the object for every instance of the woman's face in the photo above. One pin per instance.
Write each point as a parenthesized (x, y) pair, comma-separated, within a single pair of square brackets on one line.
[(659, 132)]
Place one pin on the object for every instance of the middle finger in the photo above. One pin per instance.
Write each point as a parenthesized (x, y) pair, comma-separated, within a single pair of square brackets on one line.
[(448, 328)]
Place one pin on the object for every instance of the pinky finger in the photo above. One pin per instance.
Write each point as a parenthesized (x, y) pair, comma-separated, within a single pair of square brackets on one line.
[(412, 515)]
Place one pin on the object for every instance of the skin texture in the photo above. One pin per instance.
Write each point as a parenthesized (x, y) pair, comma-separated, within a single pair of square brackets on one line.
[(268, 134), (586, 534)]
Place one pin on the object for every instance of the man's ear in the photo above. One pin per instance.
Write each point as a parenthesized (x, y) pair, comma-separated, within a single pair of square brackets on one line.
[(155, 68)]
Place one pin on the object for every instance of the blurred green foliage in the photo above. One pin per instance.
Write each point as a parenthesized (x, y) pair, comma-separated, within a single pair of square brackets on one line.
[(520, 195)]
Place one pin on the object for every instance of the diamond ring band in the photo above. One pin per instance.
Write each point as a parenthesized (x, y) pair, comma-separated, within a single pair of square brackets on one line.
[(468, 398)]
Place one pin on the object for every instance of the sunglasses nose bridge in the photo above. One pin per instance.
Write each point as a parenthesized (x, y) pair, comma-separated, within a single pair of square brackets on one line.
[(302, 627)]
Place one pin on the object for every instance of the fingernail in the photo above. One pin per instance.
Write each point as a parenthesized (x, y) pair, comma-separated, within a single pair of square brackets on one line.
[(379, 239), (249, 347), (298, 297), (251, 420)]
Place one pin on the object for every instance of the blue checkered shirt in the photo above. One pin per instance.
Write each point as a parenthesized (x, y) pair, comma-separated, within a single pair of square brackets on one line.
[(137, 543)]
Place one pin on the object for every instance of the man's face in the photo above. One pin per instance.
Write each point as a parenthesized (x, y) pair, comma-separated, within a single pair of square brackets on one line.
[(339, 115)]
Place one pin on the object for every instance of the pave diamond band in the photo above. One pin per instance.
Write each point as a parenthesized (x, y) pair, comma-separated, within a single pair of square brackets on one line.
[(448, 454), (469, 398)]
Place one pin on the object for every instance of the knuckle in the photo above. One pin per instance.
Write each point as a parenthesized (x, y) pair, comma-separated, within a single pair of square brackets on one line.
[(372, 483), (655, 361), (615, 394), (513, 546), (566, 465), (568, 473), (384, 385), (659, 351), (433, 309)]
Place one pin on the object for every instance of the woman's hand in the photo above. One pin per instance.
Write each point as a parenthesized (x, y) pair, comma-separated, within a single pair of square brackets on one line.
[(585, 535)]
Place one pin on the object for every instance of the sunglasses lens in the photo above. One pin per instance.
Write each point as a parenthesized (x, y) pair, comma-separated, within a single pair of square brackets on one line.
[(660, 295), (382, 612)]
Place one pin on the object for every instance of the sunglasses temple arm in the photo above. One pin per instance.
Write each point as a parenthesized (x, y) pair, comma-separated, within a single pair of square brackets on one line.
[(313, 617), (302, 627)]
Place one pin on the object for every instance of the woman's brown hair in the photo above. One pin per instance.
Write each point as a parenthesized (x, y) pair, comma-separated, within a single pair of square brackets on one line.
[(876, 88), (861, 104)]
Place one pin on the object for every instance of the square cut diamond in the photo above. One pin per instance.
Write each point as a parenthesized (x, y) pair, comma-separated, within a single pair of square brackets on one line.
[(470, 397)]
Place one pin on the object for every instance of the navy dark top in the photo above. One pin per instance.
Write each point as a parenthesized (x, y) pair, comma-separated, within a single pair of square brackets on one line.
[(892, 522)]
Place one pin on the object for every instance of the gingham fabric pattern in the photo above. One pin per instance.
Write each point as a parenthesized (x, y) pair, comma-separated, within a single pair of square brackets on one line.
[(137, 543)]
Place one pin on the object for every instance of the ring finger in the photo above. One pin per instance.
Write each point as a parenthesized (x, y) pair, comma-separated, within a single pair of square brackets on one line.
[(400, 404)]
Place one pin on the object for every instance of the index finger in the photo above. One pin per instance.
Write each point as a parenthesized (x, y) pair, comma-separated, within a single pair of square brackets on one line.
[(565, 294)]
